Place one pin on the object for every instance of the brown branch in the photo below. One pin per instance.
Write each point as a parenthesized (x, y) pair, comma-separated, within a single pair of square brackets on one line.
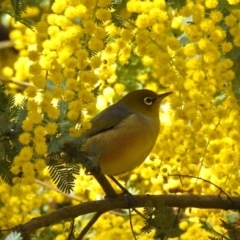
[(44, 184), (122, 202), (104, 183), (89, 225), (6, 44), (9, 80), (204, 180), (110, 193)]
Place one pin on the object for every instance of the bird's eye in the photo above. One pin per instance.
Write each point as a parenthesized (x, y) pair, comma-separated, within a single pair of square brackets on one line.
[(149, 101)]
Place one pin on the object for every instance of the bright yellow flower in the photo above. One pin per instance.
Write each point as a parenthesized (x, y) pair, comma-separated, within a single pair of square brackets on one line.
[(27, 169), (96, 44), (100, 32), (189, 50), (143, 21), (39, 81), (89, 26), (69, 95), (233, 2), (51, 128), (78, 11), (236, 41), (53, 112), (211, 56), (73, 115), (32, 105), (58, 7), (57, 78), (15, 169), (236, 13), (89, 78), (218, 35), (216, 16), (26, 153), (193, 32), (95, 62), (41, 148), (72, 84), (25, 138), (226, 47), (75, 105), (69, 72), (34, 117), (230, 20), (27, 125), (39, 131), (33, 55), (58, 92), (103, 14), (103, 3), (86, 96), (31, 91), (75, 132), (211, 3), (207, 25), (40, 164)]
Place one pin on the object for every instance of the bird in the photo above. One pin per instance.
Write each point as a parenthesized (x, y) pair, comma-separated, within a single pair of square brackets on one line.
[(123, 135)]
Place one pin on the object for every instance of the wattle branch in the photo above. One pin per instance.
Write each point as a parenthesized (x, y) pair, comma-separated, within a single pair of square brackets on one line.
[(122, 202)]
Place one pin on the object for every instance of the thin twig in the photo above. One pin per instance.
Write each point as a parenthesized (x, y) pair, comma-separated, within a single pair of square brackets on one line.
[(71, 234), (89, 225), (105, 184), (125, 191), (9, 80), (57, 190), (6, 44), (204, 180), (122, 202), (131, 224)]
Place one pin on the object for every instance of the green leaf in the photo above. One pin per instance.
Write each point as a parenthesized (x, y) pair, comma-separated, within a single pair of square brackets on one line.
[(5, 171), (176, 4), (163, 219), (63, 176)]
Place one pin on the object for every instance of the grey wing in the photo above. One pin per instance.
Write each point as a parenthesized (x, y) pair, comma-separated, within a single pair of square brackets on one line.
[(108, 119)]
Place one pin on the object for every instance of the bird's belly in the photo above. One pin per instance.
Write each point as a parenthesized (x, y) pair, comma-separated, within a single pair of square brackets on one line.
[(123, 148)]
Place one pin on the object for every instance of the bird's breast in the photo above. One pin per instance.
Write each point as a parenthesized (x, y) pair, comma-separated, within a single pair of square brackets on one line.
[(124, 147)]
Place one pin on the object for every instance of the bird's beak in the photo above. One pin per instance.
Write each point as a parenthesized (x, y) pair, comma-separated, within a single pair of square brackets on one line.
[(163, 95)]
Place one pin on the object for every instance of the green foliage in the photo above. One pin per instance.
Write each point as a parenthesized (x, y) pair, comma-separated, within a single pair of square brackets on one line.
[(163, 219), (11, 117), (232, 230), (117, 20), (95, 91), (64, 155), (176, 4), (207, 227), (19, 7), (63, 176), (128, 75)]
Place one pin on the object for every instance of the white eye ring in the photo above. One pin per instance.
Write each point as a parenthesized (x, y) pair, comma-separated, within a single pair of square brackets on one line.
[(148, 100)]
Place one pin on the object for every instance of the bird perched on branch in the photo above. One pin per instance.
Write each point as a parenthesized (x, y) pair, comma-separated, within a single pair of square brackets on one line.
[(123, 135)]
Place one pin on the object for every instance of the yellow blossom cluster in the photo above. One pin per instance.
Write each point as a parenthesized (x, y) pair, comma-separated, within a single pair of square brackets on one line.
[(187, 50)]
